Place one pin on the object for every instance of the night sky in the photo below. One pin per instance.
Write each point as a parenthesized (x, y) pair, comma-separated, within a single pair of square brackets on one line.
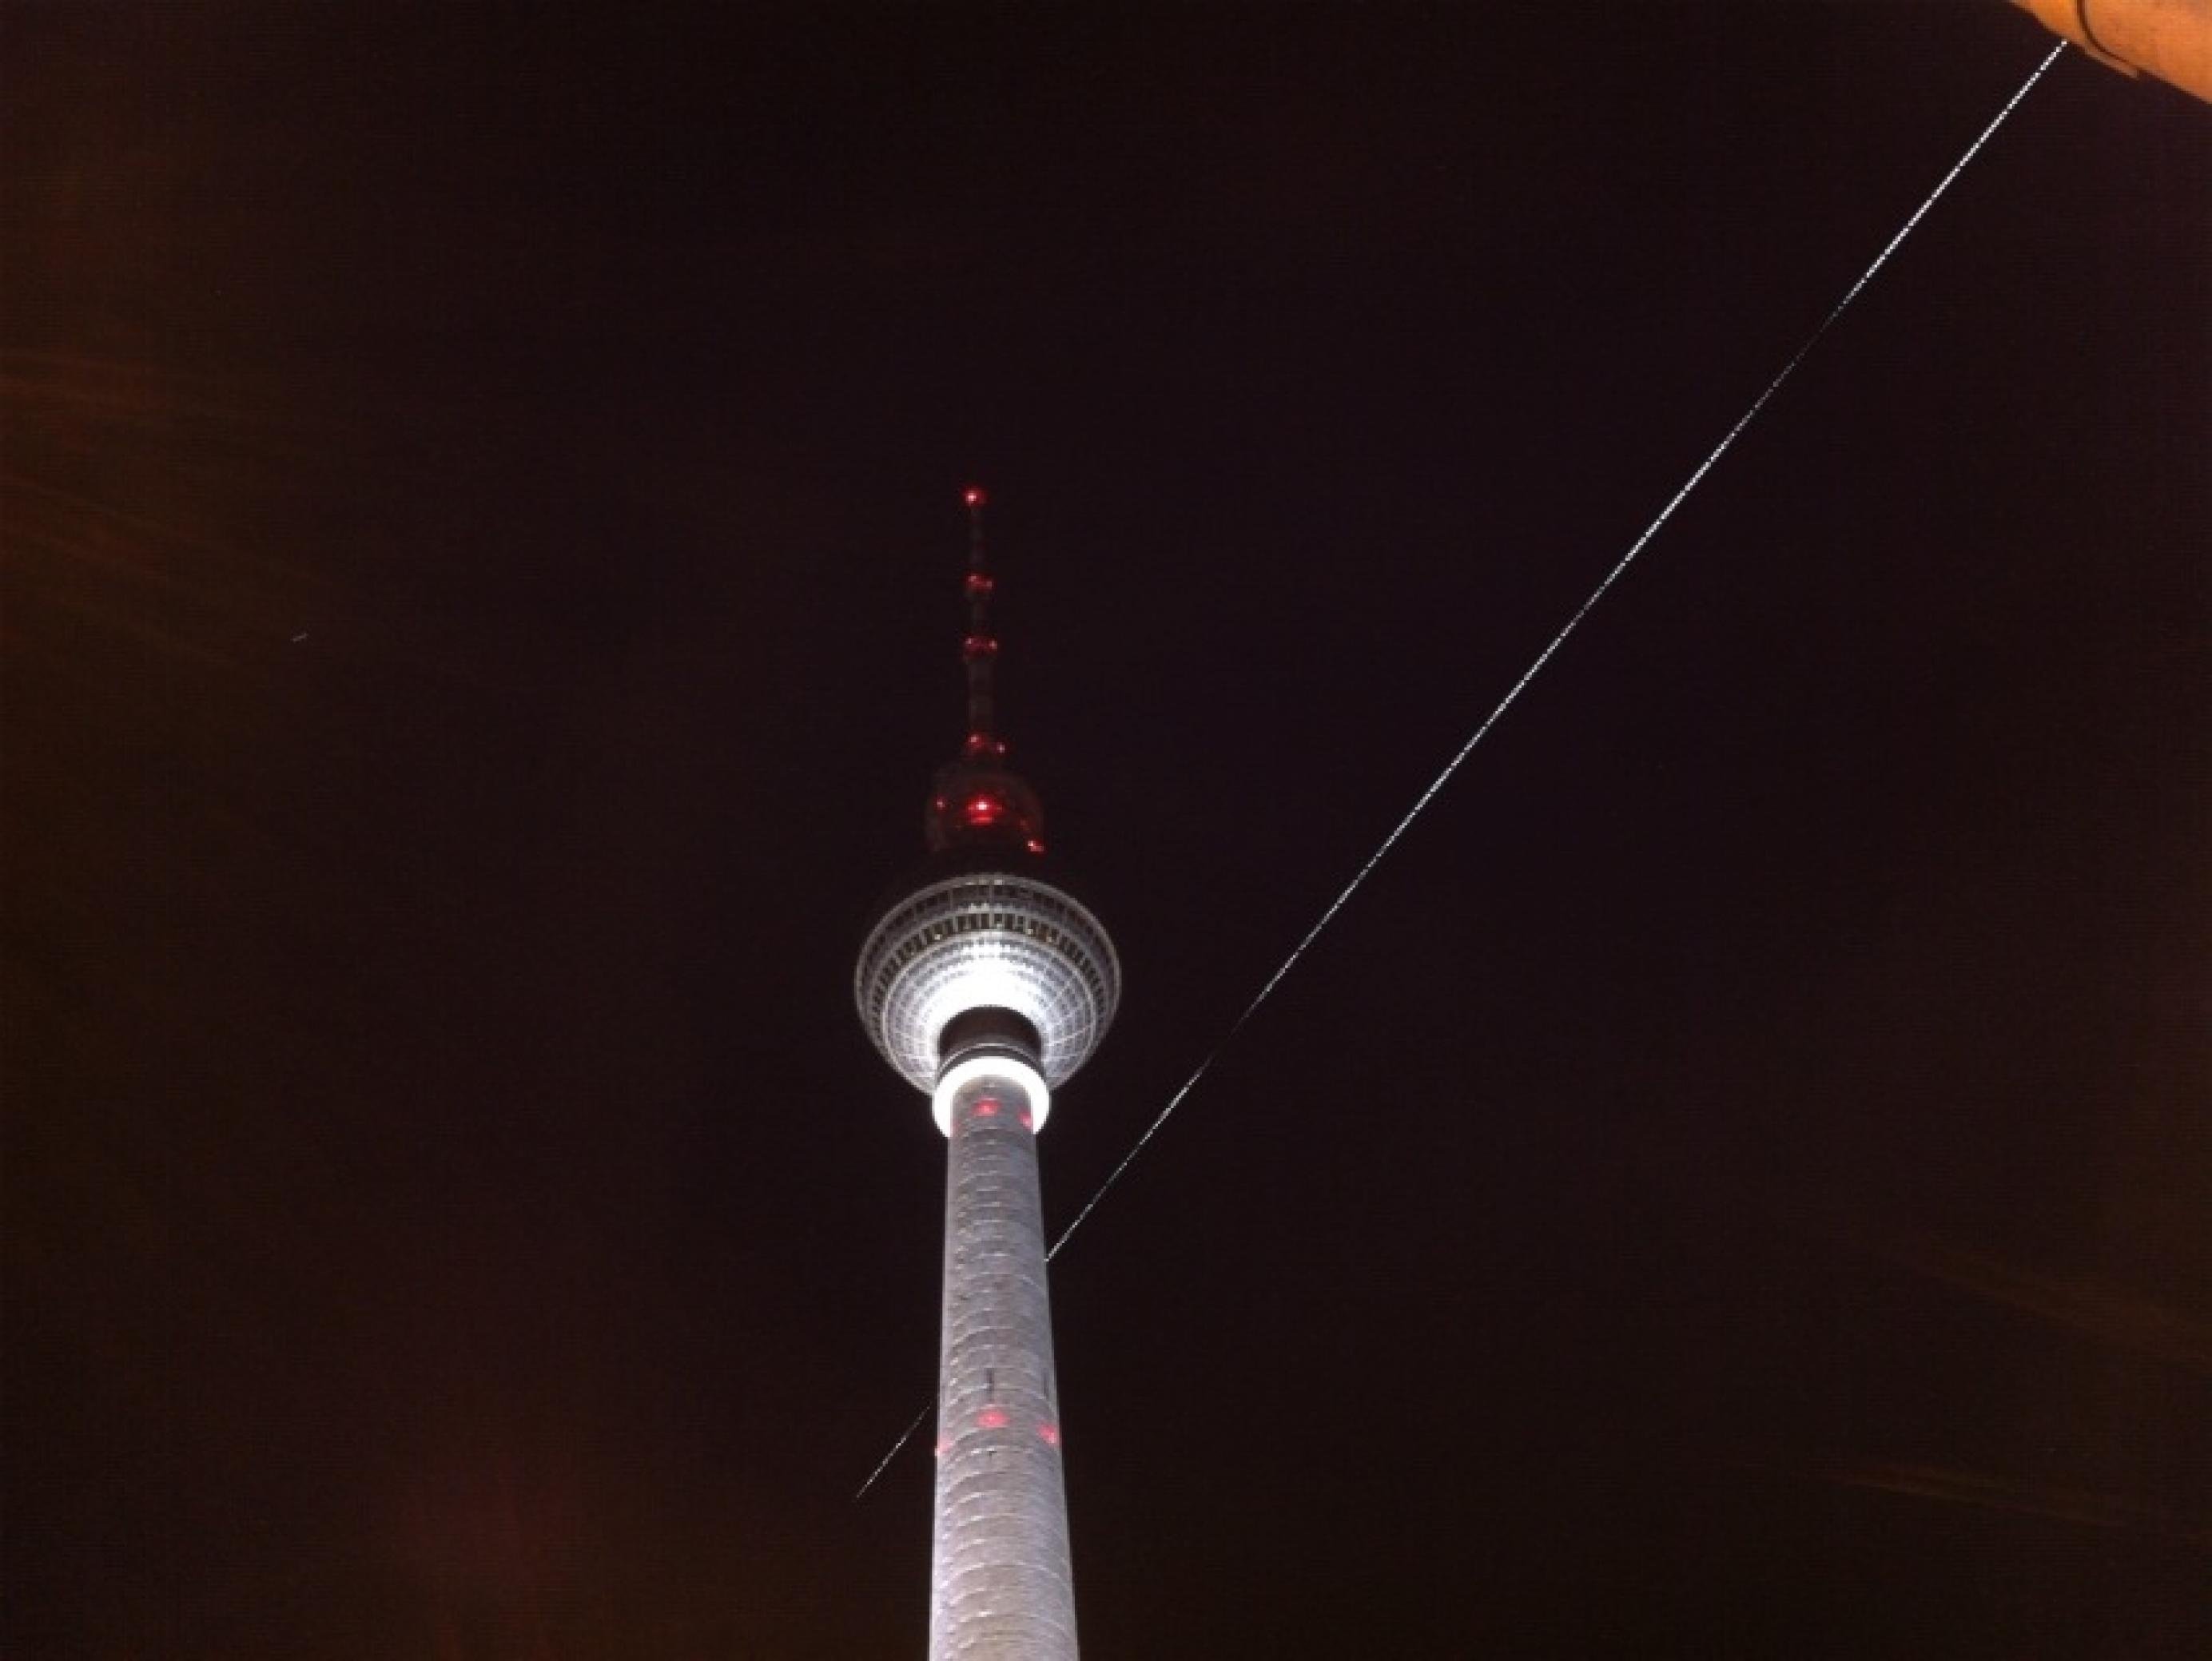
[(483, 543)]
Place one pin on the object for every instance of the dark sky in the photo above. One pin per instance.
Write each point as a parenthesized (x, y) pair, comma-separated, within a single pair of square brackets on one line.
[(481, 608)]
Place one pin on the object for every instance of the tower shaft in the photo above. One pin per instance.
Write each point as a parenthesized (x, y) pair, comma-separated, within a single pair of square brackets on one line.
[(1002, 1587)]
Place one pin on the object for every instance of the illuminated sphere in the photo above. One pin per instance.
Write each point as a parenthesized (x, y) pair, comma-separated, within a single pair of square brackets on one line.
[(980, 939)]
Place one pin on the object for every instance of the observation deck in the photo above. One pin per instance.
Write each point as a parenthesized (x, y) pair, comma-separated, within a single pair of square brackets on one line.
[(990, 936)]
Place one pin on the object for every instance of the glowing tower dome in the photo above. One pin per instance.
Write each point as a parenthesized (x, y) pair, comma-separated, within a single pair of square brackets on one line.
[(986, 984)]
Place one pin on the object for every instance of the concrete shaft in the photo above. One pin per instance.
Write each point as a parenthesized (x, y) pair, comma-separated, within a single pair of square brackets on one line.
[(1002, 1583)]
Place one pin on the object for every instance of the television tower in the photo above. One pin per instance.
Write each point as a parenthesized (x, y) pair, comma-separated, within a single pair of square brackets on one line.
[(986, 984)]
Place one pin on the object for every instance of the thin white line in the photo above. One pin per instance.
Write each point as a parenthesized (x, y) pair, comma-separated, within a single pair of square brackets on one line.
[(1531, 672), (1557, 640), (905, 1436)]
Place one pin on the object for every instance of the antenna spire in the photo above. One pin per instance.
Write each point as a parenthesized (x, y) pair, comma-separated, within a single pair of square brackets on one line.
[(980, 648), (976, 800)]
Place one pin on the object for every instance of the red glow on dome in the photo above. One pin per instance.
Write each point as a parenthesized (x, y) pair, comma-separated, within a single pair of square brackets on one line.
[(1027, 1123), (944, 1445), (982, 811), (973, 495), (1050, 1432), (987, 1108), (992, 1418), (1034, 845)]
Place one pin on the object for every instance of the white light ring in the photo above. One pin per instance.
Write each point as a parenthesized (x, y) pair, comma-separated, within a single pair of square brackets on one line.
[(967, 1070)]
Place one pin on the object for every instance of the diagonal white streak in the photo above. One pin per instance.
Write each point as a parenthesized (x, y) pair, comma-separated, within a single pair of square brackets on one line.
[(1444, 778), (905, 1436), (1558, 640)]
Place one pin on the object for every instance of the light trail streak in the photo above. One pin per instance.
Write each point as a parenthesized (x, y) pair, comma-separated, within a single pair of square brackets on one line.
[(2019, 1496), (1557, 640), (905, 1436), (1482, 731)]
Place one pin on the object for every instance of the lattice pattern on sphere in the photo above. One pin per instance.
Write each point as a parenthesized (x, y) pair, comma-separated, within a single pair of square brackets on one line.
[(979, 940)]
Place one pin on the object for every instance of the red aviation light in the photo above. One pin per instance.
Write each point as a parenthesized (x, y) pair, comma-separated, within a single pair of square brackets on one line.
[(973, 496), (979, 583), (981, 812), (979, 645), (1050, 1434), (981, 745), (987, 1107), (1035, 845), (991, 1418)]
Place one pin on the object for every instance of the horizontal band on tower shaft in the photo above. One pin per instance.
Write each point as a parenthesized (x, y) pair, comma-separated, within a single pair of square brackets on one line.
[(990, 1028)]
